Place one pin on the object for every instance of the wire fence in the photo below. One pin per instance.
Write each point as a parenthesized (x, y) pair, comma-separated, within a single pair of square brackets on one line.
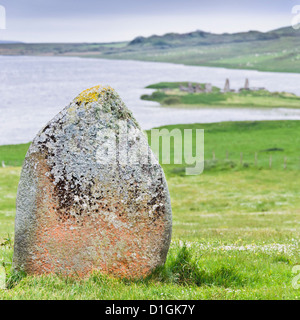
[(234, 159), (258, 159)]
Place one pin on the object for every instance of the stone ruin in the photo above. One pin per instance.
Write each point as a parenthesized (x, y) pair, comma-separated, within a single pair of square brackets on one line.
[(92, 196), (227, 86), (208, 87), (248, 88), (196, 88)]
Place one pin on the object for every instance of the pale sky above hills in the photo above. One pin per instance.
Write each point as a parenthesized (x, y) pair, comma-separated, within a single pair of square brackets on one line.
[(121, 20)]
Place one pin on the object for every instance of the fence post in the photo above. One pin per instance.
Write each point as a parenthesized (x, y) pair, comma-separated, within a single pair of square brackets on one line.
[(241, 158), (3, 164), (255, 159), (226, 154), (284, 163), (270, 162), (214, 156)]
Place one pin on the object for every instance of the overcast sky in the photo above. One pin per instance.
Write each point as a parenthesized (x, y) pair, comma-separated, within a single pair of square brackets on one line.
[(118, 20)]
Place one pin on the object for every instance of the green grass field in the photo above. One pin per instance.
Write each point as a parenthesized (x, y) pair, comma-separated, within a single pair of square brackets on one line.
[(168, 94), (236, 227), (279, 55)]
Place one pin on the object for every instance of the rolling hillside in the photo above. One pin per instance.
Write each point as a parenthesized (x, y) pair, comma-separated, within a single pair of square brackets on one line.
[(277, 50)]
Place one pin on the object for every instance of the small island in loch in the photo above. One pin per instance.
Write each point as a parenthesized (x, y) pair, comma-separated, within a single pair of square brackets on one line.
[(202, 95)]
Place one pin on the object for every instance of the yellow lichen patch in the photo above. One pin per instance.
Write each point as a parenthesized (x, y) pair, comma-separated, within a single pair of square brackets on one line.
[(93, 94)]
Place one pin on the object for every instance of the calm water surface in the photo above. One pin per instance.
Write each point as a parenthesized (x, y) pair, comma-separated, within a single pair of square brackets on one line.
[(35, 89)]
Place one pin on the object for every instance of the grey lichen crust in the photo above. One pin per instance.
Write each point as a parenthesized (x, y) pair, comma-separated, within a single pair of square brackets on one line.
[(91, 194)]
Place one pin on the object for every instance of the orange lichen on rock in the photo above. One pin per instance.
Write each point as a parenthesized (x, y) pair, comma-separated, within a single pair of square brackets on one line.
[(93, 94)]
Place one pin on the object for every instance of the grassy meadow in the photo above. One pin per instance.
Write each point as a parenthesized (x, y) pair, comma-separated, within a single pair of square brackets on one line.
[(168, 94), (236, 227)]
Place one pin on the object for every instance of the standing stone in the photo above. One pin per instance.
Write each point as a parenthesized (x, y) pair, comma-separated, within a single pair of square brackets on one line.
[(91, 195)]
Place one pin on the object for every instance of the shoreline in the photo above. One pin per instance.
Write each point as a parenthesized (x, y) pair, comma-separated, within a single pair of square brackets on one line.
[(150, 61)]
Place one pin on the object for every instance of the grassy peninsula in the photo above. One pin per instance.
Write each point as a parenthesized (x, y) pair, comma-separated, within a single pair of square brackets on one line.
[(171, 94)]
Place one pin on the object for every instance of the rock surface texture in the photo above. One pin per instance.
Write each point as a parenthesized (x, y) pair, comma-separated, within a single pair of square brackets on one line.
[(91, 195)]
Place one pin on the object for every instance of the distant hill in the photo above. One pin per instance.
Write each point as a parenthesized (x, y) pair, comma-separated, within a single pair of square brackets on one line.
[(199, 38), (276, 50)]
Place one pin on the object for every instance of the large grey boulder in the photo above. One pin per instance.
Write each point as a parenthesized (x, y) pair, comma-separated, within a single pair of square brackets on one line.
[(91, 195)]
